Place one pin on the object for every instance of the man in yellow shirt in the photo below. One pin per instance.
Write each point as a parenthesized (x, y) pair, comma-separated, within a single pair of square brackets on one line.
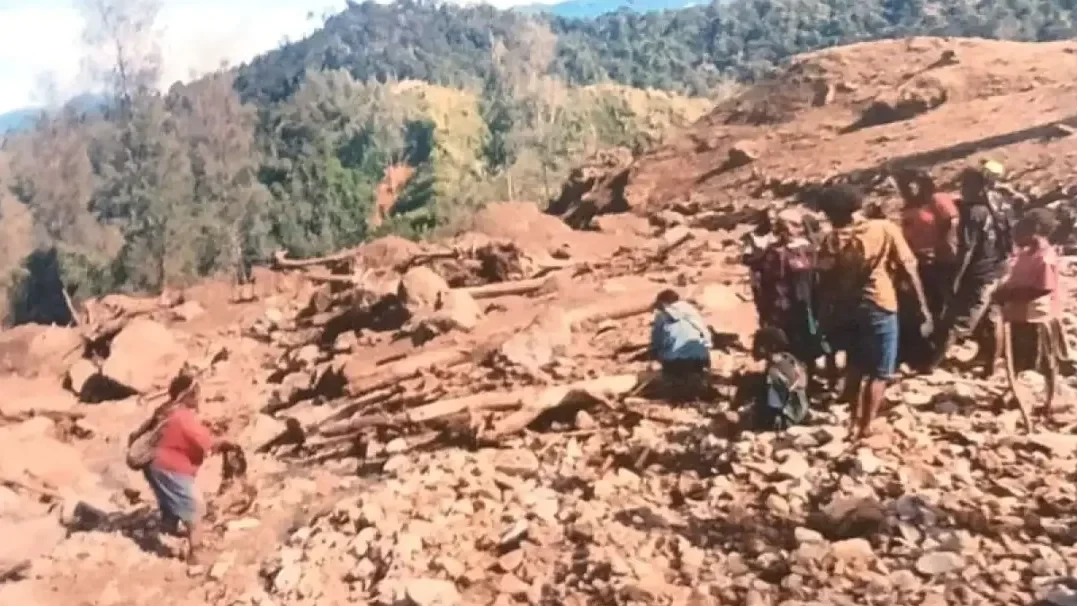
[(863, 259)]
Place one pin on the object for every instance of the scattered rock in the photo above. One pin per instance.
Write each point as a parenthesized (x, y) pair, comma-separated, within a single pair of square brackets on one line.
[(459, 310), (939, 562), (432, 592), (517, 462), (188, 311), (144, 356), (421, 287)]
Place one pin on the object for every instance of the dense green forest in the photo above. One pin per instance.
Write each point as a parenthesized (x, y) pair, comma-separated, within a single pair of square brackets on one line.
[(393, 118), (690, 50)]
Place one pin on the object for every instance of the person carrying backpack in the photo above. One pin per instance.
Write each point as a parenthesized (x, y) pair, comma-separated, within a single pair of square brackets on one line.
[(681, 342), (863, 259), (985, 243)]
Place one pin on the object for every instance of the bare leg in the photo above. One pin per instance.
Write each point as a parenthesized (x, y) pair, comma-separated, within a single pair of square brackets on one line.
[(832, 372), (194, 542), (872, 397), (854, 397), (1049, 352)]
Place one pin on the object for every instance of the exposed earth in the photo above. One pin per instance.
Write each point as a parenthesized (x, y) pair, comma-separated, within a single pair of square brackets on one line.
[(460, 422)]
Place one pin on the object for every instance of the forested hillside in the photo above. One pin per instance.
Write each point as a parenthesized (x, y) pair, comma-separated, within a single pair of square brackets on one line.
[(392, 118), (688, 50)]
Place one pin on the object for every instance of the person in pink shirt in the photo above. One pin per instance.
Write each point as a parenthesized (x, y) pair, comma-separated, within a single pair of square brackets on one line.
[(182, 445), (1031, 301)]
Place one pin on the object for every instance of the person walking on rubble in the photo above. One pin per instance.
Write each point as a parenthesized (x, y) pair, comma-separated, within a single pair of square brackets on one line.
[(1031, 305), (681, 342), (786, 290), (985, 243), (863, 259), (180, 444), (929, 222)]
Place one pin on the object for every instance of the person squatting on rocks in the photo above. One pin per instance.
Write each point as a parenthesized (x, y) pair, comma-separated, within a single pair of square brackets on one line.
[(784, 286), (681, 342), (985, 242), (864, 258), (181, 444), (1031, 303)]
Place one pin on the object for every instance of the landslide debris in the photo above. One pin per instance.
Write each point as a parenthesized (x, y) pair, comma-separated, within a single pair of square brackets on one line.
[(461, 422)]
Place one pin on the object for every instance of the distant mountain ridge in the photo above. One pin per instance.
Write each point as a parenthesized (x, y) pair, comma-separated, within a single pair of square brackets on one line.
[(24, 117), (17, 119), (586, 9)]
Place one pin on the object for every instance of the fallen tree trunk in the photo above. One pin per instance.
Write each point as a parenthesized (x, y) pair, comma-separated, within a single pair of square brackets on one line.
[(617, 309), (431, 413), (281, 260), (600, 389), (14, 571), (374, 397), (361, 379), (675, 239), (501, 289)]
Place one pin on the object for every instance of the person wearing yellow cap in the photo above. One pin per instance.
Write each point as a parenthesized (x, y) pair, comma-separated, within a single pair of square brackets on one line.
[(985, 243), (993, 169)]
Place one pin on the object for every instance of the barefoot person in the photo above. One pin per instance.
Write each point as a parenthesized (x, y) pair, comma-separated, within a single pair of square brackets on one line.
[(183, 442), (1031, 302), (929, 223), (786, 290), (681, 342), (985, 242), (863, 258)]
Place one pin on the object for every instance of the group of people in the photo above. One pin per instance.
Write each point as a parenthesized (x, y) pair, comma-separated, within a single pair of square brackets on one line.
[(884, 293)]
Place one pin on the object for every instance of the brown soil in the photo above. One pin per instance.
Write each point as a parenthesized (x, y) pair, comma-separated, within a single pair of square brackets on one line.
[(614, 500)]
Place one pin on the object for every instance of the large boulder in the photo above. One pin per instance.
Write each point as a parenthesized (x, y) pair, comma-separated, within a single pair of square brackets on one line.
[(459, 310), (421, 287), (144, 357), (33, 350)]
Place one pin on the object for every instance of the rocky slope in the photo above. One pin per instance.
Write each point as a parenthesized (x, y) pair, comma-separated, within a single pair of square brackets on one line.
[(461, 422)]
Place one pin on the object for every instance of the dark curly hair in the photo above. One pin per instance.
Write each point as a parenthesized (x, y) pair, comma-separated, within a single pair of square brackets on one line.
[(840, 202), (1038, 222)]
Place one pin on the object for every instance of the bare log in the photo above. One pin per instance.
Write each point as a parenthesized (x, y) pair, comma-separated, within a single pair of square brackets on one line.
[(362, 380), (324, 277), (502, 289), (426, 257), (374, 397), (281, 260), (431, 413), (600, 389), (35, 488), (14, 571), (675, 238), (613, 309)]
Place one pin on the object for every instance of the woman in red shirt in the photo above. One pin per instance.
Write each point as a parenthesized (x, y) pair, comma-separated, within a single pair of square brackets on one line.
[(182, 446)]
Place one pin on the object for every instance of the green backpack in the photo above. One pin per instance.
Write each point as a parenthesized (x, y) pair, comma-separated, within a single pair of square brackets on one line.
[(783, 401)]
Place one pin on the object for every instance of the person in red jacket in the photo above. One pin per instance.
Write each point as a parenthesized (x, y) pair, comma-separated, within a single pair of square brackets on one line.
[(183, 444)]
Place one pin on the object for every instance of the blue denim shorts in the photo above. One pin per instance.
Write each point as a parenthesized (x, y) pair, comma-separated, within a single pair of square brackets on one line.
[(175, 494), (875, 353)]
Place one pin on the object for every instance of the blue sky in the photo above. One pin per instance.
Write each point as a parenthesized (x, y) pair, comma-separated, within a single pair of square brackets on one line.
[(41, 38)]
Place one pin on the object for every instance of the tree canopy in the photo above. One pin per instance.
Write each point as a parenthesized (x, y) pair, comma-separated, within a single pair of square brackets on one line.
[(396, 118)]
